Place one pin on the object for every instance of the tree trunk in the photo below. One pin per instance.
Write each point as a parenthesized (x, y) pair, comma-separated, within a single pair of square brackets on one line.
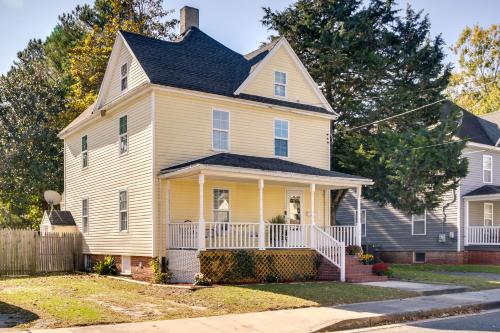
[(336, 197)]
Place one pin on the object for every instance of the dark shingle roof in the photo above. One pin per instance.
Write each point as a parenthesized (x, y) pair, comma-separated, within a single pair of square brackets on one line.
[(60, 217), (484, 190), (199, 62), (260, 163), (473, 128)]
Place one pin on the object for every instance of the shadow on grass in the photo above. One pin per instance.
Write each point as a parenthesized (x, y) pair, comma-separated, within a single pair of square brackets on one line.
[(11, 315)]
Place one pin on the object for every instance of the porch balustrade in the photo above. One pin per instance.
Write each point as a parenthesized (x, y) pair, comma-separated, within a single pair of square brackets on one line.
[(484, 235), (345, 233)]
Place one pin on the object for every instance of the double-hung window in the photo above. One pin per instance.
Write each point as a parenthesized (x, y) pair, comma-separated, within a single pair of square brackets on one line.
[(488, 214), (85, 215), (220, 130), (85, 152), (221, 205), (279, 84), (487, 169), (123, 135), (363, 221), (280, 138), (123, 207), (124, 76), (418, 224)]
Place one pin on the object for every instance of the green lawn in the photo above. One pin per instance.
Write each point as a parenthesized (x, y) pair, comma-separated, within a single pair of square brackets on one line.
[(70, 300), (437, 274)]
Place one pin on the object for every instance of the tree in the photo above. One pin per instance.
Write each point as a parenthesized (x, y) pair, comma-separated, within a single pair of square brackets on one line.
[(476, 86), (31, 98), (88, 59), (372, 63)]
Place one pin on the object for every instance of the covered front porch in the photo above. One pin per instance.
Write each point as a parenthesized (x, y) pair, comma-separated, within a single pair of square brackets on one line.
[(482, 216), (240, 202)]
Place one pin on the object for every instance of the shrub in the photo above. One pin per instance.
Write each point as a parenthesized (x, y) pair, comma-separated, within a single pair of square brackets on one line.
[(201, 280), (159, 275), (353, 250), (367, 259), (278, 219), (381, 269), (272, 278), (107, 266)]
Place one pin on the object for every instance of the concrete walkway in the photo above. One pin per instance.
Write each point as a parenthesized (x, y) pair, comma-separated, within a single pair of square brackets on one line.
[(309, 319), (424, 289)]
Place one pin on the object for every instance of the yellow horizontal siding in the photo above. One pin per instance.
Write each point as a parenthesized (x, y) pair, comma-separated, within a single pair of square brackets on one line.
[(107, 173), (298, 88)]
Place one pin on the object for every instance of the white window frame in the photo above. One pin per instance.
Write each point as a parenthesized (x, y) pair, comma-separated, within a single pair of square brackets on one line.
[(281, 138), (276, 83), (124, 77), (413, 224), (363, 221), (120, 135), (85, 225), (120, 211), (214, 210), (486, 157), (228, 130), (85, 153), (490, 206)]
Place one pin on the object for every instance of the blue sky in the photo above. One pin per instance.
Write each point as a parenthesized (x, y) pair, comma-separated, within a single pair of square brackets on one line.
[(234, 23)]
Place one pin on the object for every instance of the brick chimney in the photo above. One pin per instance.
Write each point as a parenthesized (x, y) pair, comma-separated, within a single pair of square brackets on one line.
[(190, 17)]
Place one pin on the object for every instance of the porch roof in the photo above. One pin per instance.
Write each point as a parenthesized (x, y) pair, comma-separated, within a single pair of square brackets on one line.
[(273, 166), (485, 191)]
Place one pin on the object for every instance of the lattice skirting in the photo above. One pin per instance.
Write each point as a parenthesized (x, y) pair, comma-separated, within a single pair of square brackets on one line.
[(183, 264), (247, 266)]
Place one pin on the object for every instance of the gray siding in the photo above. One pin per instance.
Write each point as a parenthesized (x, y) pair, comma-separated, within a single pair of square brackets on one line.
[(390, 229)]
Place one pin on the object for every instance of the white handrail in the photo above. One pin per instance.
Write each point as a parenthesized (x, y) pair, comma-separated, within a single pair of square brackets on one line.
[(286, 236), (182, 235), (331, 249), (342, 233), (222, 235), (484, 235)]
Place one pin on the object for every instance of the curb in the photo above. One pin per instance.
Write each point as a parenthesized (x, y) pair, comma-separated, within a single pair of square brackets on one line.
[(395, 318)]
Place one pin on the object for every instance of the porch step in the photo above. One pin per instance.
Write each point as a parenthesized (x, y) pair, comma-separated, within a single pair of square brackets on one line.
[(354, 271)]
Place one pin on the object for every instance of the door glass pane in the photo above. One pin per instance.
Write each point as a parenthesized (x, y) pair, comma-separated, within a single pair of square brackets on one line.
[(294, 209)]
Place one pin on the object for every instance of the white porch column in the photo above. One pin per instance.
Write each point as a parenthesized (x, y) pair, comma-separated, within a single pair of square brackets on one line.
[(262, 228), (313, 224), (358, 217), (466, 223), (201, 221), (167, 206)]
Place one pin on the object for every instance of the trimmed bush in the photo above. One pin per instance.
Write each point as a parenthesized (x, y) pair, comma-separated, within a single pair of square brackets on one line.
[(353, 250), (160, 276), (381, 269)]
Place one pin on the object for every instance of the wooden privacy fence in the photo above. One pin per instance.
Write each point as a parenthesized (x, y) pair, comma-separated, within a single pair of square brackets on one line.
[(26, 252)]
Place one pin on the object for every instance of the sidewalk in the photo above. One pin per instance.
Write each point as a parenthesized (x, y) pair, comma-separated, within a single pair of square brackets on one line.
[(310, 319)]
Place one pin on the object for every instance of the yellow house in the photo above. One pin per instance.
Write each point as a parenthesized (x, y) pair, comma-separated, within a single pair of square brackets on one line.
[(191, 146)]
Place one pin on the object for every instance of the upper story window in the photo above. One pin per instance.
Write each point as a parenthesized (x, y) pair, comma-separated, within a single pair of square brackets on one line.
[(363, 221), (280, 138), (279, 84), (220, 130), (124, 76), (85, 215), (85, 153), (123, 134), (488, 214), (123, 209), (487, 169), (419, 224), (221, 205)]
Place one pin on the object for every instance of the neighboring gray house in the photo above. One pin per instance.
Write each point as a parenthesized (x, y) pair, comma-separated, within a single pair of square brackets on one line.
[(471, 233)]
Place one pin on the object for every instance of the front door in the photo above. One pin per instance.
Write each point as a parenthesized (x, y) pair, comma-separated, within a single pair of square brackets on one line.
[(294, 211)]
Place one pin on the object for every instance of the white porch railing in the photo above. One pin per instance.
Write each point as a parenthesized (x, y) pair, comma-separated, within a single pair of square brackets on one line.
[(331, 249), (220, 235), (342, 233), (286, 236), (484, 235), (183, 235)]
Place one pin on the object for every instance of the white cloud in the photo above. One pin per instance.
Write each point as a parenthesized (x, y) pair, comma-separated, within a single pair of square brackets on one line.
[(13, 3)]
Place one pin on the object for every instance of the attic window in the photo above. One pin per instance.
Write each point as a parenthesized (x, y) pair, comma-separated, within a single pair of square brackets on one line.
[(280, 84), (124, 75)]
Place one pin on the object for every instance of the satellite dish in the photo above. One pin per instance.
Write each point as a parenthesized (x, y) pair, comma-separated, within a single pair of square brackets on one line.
[(52, 198)]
